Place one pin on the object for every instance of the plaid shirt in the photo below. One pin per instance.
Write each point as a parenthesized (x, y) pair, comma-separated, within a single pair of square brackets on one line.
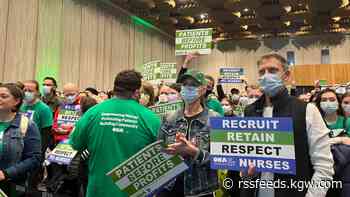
[(199, 178)]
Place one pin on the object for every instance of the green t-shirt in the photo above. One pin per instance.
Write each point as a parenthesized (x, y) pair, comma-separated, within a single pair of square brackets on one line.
[(112, 132), (40, 113), (3, 127), (215, 105), (339, 125)]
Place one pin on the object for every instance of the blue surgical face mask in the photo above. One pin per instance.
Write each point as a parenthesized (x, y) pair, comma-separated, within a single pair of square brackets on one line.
[(46, 90), (189, 94), (271, 83), (28, 97), (71, 99), (329, 107)]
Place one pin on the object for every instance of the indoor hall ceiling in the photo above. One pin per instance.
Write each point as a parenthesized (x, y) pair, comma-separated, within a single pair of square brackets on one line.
[(240, 19)]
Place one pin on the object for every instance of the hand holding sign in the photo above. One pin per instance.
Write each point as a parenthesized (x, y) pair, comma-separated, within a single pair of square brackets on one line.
[(182, 146), (189, 57), (2, 175)]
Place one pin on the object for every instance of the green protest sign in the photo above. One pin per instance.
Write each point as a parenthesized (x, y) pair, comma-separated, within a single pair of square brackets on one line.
[(147, 170), (2, 194), (155, 72), (168, 72), (150, 71), (323, 82), (166, 108), (194, 40)]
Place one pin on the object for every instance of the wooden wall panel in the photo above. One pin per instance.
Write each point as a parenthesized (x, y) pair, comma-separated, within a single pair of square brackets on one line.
[(79, 43), (21, 40), (4, 6), (71, 43)]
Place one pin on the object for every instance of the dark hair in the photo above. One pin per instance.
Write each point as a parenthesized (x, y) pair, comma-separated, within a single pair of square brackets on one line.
[(210, 78), (126, 82), (318, 101), (34, 82), (234, 91), (16, 92), (52, 79), (20, 85), (347, 94), (276, 56), (176, 86), (229, 101), (110, 94), (148, 89), (92, 90), (86, 102)]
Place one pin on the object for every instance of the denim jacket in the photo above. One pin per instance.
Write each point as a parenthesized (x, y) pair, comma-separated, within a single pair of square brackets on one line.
[(199, 178), (21, 154)]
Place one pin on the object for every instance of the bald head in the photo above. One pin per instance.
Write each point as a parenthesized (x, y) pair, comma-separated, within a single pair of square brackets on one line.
[(70, 89)]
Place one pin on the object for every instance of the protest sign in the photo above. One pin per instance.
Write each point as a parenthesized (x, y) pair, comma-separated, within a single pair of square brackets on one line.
[(268, 143), (167, 72), (193, 40), (150, 71), (163, 109), (156, 72), (231, 75), (2, 193), (63, 153), (147, 170)]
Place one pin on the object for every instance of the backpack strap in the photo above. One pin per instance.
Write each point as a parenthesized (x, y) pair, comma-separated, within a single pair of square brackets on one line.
[(24, 125)]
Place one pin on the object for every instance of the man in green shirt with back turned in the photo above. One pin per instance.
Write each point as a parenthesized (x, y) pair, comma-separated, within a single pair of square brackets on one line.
[(113, 131)]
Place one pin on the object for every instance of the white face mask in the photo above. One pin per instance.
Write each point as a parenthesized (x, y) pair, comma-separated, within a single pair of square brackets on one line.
[(252, 100), (235, 97), (227, 108), (163, 98), (244, 100), (346, 108)]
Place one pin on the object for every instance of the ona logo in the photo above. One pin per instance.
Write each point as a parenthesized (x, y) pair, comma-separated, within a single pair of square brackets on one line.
[(220, 159)]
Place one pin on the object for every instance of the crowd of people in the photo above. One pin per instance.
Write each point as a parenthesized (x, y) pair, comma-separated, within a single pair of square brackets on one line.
[(33, 121)]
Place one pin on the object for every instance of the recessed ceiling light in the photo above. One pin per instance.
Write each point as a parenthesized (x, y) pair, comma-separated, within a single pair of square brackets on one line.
[(287, 23), (245, 9), (245, 27), (288, 8), (238, 14), (337, 18), (204, 15)]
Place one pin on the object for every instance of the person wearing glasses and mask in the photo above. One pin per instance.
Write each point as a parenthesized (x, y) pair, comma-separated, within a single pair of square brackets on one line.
[(186, 132), (68, 113), (314, 161)]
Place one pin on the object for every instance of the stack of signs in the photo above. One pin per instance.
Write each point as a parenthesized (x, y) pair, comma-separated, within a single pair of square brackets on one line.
[(62, 154), (231, 75), (147, 170), (194, 40), (156, 72), (163, 109), (2, 193), (151, 71), (267, 143)]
